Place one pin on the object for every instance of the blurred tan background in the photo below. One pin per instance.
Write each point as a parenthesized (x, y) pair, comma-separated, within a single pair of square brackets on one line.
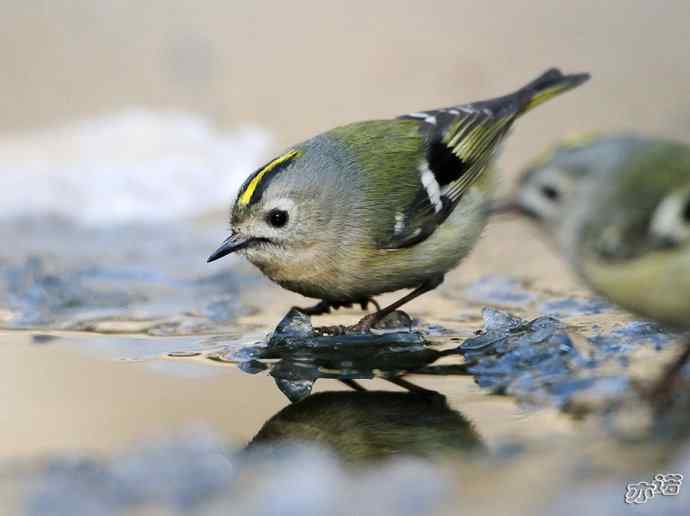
[(297, 68)]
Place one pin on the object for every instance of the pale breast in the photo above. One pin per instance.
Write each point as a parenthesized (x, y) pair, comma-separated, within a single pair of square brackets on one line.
[(656, 286)]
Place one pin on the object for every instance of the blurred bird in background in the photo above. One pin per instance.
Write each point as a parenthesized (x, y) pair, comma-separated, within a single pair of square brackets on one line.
[(618, 208)]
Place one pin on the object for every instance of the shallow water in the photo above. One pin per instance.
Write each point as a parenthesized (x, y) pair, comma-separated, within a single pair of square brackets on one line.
[(121, 352), (126, 423), (135, 376)]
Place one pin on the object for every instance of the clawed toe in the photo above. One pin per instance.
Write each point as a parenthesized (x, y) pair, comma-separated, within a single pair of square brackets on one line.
[(364, 303), (331, 331), (383, 319), (365, 324), (380, 320), (325, 307)]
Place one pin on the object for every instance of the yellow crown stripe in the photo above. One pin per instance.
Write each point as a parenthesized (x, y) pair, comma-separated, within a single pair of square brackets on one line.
[(248, 192)]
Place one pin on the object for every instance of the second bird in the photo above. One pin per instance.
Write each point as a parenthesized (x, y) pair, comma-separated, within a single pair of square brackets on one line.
[(618, 208), (380, 205)]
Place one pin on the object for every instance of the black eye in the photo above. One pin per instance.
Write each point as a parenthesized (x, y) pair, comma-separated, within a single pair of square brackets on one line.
[(277, 218), (550, 193)]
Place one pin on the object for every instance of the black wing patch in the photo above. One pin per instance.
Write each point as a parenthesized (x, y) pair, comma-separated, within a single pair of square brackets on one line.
[(444, 164), (461, 142)]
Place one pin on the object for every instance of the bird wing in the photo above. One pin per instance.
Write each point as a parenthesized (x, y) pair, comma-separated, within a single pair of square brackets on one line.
[(461, 142)]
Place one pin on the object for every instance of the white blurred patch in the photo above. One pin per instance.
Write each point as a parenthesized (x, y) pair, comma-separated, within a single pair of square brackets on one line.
[(132, 166)]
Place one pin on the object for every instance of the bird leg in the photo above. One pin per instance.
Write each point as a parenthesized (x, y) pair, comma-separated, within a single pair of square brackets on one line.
[(399, 381), (325, 307), (369, 321), (352, 384), (365, 303), (663, 388)]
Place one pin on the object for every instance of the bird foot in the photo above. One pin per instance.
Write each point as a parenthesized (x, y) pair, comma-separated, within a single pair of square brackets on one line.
[(331, 331), (325, 307), (391, 321), (320, 308), (365, 304)]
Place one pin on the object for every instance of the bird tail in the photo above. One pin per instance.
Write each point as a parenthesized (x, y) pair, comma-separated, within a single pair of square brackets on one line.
[(548, 85)]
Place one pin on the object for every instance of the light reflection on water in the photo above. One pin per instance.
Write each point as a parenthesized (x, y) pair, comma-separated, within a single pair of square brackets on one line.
[(128, 336), (192, 380)]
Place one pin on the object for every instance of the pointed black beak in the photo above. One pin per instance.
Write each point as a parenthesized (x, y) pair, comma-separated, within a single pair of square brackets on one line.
[(233, 243)]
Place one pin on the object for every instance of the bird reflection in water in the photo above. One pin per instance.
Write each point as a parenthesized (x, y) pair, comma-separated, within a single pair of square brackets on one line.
[(365, 426)]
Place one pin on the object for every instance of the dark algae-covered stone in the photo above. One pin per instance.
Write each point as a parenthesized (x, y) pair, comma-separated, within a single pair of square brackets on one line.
[(298, 354)]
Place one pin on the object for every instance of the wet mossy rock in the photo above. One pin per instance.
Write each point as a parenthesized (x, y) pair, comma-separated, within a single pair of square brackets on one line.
[(306, 354)]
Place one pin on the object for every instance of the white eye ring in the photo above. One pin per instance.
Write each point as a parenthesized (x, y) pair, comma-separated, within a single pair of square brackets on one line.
[(283, 204)]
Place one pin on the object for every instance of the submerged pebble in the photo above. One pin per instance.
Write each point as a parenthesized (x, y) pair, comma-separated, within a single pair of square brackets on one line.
[(536, 361), (626, 337)]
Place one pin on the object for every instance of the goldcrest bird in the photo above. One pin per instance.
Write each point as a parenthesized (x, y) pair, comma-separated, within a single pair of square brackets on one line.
[(618, 207), (380, 205)]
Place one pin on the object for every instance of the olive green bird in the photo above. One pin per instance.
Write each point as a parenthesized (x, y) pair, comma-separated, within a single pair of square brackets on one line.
[(380, 205), (618, 208)]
